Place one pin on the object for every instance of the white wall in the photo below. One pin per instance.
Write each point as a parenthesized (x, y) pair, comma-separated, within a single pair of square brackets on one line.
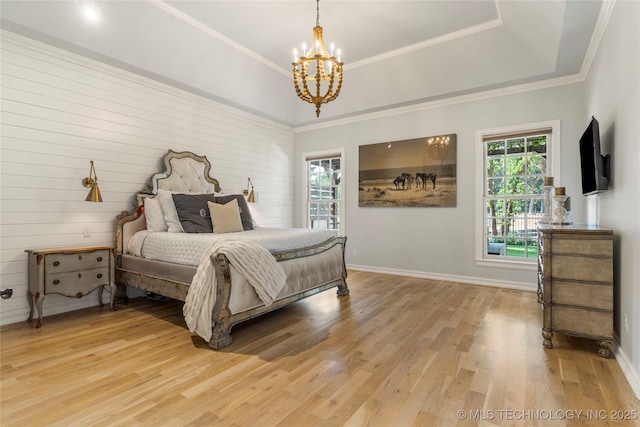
[(613, 97), (60, 110), (440, 242)]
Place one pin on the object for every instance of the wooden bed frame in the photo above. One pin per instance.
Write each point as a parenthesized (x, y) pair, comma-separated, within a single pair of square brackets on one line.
[(128, 223)]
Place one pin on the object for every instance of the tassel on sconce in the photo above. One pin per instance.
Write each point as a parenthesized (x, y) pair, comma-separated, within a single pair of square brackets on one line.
[(252, 197), (91, 182)]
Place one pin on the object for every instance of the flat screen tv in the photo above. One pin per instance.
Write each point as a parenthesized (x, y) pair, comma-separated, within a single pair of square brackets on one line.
[(594, 166)]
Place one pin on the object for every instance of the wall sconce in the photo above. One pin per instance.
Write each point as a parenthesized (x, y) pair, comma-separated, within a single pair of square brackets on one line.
[(252, 197), (91, 182)]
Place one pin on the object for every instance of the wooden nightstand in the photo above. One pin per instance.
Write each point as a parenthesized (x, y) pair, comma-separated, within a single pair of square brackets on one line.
[(72, 272)]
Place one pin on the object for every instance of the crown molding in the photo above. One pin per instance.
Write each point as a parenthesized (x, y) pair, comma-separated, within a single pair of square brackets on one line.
[(478, 96), (606, 10)]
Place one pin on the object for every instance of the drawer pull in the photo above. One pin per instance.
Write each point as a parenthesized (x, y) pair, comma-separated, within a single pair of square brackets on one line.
[(99, 276), (56, 263), (79, 257), (56, 282), (79, 275), (99, 259)]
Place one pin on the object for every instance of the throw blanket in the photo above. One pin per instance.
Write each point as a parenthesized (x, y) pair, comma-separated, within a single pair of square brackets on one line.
[(253, 261)]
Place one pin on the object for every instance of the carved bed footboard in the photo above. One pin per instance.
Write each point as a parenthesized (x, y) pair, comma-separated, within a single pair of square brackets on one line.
[(222, 317)]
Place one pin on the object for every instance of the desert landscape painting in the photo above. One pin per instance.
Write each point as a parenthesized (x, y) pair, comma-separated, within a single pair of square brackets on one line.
[(417, 172)]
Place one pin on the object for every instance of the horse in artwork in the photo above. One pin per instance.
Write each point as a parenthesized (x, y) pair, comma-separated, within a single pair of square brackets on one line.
[(408, 179), (399, 180), (421, 179)]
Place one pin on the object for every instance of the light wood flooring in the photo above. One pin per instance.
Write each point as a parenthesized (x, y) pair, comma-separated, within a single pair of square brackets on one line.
[(397, 352)]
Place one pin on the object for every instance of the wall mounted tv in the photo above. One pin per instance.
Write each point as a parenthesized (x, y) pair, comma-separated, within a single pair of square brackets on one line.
[(594, 166)]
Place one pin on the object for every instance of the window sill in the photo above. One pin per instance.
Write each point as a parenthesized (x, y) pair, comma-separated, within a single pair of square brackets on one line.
[(507, 264)]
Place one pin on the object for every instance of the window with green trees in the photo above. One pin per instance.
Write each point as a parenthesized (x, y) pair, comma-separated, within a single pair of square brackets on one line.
[(515, 165)]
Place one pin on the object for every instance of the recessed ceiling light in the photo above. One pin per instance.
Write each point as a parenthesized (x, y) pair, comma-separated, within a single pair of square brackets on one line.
[(91, 13)]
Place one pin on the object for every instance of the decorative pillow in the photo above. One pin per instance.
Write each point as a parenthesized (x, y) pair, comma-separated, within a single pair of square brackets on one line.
[(245, 213), (154, 215), (225, 218), (193, 212), (170, 213)]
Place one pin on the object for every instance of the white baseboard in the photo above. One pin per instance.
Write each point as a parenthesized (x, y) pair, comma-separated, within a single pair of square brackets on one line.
[(520, 286), (633, 378), (15, 317)]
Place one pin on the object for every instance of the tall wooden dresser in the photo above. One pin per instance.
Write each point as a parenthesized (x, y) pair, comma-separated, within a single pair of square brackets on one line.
[(575, 283)]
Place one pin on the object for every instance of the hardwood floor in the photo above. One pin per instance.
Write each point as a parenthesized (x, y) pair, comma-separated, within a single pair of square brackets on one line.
[(397, 352)]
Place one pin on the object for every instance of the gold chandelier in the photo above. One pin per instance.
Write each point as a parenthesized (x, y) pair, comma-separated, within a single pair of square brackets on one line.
[(317, 74)]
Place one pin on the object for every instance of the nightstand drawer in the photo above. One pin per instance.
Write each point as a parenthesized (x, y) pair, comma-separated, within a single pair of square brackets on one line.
[(76, 283), (63, 262)]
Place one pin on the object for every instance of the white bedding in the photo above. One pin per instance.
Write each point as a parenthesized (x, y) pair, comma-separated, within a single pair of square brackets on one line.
[(187, 248)]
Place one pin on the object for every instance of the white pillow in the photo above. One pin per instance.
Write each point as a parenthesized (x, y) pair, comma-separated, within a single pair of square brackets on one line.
[(170, 213), (225, 218), (154, 215)]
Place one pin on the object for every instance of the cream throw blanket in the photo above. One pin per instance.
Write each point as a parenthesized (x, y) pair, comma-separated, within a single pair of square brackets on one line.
[(253, 261)]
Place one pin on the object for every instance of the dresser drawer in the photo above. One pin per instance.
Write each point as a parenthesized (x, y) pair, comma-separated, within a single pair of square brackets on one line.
[(589, 269), (583, 321), (76, 283), (583, 294), (62, 262), (582, 246)]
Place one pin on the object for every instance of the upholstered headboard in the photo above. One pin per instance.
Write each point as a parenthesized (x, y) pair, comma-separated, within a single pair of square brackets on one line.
[(184, 172)]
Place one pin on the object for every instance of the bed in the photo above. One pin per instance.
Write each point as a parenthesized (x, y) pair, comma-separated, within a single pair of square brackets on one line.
[(234, 273)]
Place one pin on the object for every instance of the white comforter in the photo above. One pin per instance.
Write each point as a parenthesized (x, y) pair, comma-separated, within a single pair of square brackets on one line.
[(248, 251), (187, 248)]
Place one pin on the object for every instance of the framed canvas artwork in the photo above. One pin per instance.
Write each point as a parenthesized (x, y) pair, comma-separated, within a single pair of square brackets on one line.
[(408, 173)]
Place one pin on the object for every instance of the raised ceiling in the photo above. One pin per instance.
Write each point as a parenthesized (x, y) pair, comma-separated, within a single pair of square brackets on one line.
[(396, 53)]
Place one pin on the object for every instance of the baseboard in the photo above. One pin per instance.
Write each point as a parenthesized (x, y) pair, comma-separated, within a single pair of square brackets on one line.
[(633, 378), (505, 284), (15, 317)]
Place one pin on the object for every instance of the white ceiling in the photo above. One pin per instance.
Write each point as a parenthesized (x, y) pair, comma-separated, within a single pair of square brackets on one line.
[(396, 53)]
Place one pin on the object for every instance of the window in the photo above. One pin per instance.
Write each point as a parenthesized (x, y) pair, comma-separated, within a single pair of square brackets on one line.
[(514, 163), (324, 191)]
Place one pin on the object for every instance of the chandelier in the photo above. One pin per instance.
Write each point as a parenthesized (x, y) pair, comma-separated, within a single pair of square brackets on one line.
[(317, 74)]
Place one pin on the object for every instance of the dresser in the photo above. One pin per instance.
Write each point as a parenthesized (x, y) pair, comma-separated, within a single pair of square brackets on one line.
[(72, 272), (575, 283)]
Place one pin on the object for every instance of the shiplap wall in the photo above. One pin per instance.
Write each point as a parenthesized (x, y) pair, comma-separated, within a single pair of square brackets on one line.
[(59, 110)]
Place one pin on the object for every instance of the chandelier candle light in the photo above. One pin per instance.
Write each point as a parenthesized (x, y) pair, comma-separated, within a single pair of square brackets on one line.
[(317, 74), (439, 149)]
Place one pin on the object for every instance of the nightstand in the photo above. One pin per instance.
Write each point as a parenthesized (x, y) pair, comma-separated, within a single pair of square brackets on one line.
[(72, 272)]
